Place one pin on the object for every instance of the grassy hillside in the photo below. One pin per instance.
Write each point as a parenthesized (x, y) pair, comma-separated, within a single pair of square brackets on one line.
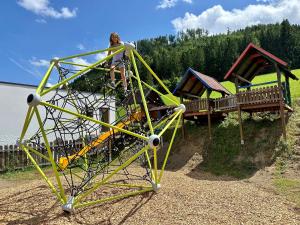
[(224, 155)]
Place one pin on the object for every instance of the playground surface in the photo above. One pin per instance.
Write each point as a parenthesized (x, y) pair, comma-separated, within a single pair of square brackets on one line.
[(187, 196)]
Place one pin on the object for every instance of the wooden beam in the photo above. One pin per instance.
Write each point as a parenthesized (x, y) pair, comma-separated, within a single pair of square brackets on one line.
[(208, 92), (241, 78), (236, 83), (281, 102), (190, 95), (241, 124), (251, 114), (288, 90)]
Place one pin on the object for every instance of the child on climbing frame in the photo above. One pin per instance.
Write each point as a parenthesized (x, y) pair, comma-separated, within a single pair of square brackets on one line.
[(115, 41)]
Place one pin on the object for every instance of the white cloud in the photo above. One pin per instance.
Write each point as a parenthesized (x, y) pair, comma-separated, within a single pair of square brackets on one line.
[(39, 62), (166, 4), (217, 20), (80, 46), (100, 56), (163, 4), (42, 8), (81, 61)]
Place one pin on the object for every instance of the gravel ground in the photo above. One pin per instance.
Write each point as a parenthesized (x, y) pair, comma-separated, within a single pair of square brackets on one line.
[(185, 198)]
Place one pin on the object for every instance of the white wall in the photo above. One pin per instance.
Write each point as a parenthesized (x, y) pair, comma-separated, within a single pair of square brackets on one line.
[(13, 109)]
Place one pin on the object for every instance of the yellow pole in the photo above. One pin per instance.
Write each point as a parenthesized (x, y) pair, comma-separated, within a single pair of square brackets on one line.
[(142, 93), (42, 174), (91, 53), (169, 124), (82, 65), (45, 79), (158, 92), (151, 71), (93, 120), (169, 148), (81, 72), (155, 165), (38, 153), (62, 192), (97, 185), (149, 164), (26, 122), (112, 198)]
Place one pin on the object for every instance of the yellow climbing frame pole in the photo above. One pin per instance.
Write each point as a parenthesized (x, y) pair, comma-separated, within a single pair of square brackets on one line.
[(98, 184), (28, 118), (158, 92), (91, 53), (94, 120), (169, 124), (45, 78), (89, 203), (169, 149), (153, 74), (82, 71), (54, 167), (142, 93), (86, 65), (42, 174)]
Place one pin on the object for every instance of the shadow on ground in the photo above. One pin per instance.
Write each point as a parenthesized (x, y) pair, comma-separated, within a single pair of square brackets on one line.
[(38, 206)]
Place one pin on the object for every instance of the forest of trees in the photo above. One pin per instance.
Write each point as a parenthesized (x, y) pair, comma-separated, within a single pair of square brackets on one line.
[(169, 56)]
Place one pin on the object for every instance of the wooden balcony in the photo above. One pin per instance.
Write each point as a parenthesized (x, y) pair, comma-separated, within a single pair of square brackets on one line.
[(256, 100)]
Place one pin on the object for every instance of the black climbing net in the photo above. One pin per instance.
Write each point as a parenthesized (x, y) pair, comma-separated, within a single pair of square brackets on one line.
[(86, 151)]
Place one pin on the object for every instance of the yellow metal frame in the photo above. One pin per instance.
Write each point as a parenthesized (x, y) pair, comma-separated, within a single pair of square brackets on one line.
[(156, 176)]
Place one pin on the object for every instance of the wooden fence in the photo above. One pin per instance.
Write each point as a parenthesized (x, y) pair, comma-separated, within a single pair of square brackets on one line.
[(259, 97), (263, 95), (13, 157), (226, 103), (196, 105)]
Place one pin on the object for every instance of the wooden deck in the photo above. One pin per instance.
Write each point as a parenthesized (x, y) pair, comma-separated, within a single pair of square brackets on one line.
[(256, 100)]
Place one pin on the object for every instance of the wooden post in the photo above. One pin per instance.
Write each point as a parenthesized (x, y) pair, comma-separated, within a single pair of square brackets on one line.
[(182, 125), (208, 92), (239, 112), (251, 114), (281, 101), (288, 90)]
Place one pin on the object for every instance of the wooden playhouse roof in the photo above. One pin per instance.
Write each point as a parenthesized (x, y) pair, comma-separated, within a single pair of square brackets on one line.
[(253, 61), (194, 83)]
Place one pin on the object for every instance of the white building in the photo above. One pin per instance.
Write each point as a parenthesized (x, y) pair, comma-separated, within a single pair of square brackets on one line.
[(13, 101)]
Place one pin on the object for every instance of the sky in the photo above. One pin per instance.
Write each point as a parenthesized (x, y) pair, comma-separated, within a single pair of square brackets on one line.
[(35, 31)]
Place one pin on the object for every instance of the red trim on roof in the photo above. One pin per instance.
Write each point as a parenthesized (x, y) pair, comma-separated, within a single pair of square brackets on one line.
[(242, 56)]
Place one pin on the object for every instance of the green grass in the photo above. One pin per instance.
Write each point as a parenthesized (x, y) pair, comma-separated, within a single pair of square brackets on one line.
[(290, 188), (29, 173)]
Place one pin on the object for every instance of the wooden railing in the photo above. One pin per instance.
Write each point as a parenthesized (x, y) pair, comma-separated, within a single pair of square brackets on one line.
[(13, 157), (262, 95), (225, 103), (196, 105)]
